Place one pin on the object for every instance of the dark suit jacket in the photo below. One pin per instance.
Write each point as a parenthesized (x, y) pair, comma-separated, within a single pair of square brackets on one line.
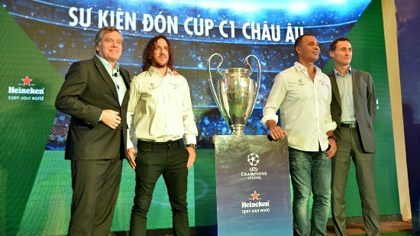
[(87, 90), (364, 105)]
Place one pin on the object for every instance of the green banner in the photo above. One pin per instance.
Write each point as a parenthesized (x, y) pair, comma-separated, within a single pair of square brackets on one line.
[(28, 86)]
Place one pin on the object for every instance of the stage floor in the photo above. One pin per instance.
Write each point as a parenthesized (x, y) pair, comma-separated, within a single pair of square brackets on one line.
[(386, 227), (352, 229)]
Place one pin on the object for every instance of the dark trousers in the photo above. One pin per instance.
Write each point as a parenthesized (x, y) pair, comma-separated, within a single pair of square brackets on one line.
[(95, 185), (348, 148), (154, 159)]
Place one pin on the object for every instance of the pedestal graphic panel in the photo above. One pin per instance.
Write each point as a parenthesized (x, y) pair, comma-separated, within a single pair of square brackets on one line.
[(252, 185)]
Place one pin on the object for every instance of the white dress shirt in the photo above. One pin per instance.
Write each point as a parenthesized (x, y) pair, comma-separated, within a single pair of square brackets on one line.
[(160, 108), (304, 107)]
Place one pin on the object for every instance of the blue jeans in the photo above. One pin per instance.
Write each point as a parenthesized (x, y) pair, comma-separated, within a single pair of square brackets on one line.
[(310, 173)]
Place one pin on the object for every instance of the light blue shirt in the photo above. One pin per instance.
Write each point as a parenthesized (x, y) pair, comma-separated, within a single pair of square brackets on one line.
[(345, 88), (116, 77)]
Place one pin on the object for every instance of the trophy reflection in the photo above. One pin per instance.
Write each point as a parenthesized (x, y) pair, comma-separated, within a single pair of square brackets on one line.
[(235, 93)]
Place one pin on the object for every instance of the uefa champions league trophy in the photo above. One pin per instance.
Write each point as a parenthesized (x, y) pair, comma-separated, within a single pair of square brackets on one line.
[(236, 93)]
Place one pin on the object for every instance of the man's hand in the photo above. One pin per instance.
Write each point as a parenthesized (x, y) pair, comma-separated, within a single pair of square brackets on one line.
[(191, 156), (111, 118), (276, 132), (333, 148), (131, 157)]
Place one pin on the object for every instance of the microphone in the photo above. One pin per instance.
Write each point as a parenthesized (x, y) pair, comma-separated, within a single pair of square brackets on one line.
[(116, 76), (116, 73)]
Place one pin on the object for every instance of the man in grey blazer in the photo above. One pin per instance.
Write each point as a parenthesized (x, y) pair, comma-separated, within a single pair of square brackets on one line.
[(353, 108), (94, 94)]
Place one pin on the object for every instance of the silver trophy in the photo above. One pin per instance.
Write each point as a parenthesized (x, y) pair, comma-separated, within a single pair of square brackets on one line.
[(236, 93)]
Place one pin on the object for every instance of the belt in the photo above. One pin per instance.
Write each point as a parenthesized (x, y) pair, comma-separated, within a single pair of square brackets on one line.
[(350, 126), (160, 145)]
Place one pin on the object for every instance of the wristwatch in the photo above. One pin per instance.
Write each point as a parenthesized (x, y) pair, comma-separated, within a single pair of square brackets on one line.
[(192, 145)]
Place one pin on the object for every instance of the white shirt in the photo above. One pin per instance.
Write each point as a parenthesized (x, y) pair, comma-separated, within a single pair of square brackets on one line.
[(304, 107), (345, 88), (160, 108)]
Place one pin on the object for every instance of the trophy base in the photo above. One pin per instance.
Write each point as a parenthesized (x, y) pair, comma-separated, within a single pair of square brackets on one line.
[(237, 130)]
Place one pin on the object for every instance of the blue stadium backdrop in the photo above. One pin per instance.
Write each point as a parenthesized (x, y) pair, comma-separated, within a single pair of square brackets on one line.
[(41, 38), (408, 23)]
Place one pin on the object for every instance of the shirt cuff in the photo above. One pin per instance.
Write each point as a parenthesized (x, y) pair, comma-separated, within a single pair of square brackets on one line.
[(331, 126), (129, 142), (190, 139), (269, 117)]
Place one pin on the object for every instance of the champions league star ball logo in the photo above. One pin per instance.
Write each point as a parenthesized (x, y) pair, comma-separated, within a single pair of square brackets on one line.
[(252, 174), (253, 159)]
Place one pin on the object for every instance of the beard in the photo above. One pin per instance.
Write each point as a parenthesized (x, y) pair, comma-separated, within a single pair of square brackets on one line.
[(159, 64)]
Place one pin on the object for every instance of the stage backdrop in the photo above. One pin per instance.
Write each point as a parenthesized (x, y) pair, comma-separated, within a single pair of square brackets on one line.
[(40, 39), (408, 23)]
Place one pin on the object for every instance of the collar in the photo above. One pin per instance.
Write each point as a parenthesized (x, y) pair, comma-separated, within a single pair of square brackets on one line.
[(153, 70), (301, 67), (338, 74)]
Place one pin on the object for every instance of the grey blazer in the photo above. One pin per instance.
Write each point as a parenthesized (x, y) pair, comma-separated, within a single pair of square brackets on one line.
[(364, 104), (87, 90)]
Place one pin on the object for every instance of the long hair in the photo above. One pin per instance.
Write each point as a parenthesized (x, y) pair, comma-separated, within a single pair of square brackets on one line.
[(102, 31), (148, 53)]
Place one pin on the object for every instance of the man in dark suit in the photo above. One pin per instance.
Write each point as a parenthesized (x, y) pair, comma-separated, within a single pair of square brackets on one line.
[(94, 94), (353, 108)]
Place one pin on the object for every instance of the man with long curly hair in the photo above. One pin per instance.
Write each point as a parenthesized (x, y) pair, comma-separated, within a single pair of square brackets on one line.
[(163, 125)]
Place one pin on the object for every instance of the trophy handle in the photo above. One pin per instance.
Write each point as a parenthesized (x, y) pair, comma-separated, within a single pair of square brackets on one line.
[(213, 91), (258, 82)]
